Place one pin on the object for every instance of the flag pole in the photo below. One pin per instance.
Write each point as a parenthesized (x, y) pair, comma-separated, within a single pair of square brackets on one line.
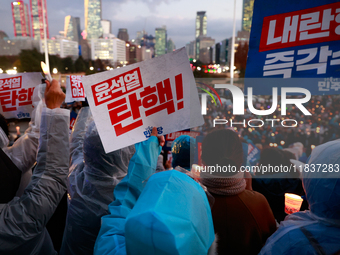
[(232, 60)]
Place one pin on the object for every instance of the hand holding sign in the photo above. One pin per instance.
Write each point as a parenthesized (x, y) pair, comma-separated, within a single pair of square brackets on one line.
[(54, 96), (161, 139), (127, 102)]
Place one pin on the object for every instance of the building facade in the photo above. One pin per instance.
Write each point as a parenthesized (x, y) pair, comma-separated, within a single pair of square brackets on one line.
[(201, 24), (13, 47), (202, 48), (93, 17), (161, 41), (72, 28), (112, 49), (106, 25), (247, 14), (21, 20), (123, 34), (37, 19), (171, 45), (61, 47)]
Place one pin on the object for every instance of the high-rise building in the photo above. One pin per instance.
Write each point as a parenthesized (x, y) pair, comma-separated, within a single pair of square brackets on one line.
[(161, 41), (37, 19), (72, 28), (190, 47), (123, 34), (93, 17), (21, 19), (112, 49), (241, 38), (201, 24), (106, 25), (171, 45), (247, 14), (203, 44)]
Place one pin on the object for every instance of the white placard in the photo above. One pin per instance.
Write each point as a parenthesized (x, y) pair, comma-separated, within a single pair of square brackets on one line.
[(74, 89), (127, 102), (16, 93)]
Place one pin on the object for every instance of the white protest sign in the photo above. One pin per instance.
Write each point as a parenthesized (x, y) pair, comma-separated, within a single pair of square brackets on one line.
[(127, 102), (16, 94), (74, 89)]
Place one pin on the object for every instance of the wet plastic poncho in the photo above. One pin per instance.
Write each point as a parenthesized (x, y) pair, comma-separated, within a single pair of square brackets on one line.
[(23, 152), (171, 216), (23, 220), (316, 231), (92, 179)]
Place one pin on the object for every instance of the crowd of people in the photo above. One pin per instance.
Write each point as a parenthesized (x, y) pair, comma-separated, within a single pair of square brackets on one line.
[(62, 194)]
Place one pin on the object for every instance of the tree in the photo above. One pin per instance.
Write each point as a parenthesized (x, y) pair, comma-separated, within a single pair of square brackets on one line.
[(68, 66), (30, 60), (80, 65)]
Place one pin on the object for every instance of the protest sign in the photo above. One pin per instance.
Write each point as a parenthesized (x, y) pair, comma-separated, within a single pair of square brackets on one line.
[(297, 42), (74, 89), (127, 102), (169, 138), (16, 94)]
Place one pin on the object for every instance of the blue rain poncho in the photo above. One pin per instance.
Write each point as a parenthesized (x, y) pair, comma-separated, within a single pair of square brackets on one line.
[(171, 215), (316, 231), (93, 176)]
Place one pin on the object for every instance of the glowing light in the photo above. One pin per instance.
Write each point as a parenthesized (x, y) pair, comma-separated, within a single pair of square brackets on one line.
[(91, 68), (11, 71), (282, 142), (271, 144), (312, 147)]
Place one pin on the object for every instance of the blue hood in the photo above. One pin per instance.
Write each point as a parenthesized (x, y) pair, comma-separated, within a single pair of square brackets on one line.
[(323, 188), (171, 216)]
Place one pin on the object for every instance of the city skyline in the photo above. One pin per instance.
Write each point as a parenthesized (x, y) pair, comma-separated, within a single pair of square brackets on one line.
[(139, 15)]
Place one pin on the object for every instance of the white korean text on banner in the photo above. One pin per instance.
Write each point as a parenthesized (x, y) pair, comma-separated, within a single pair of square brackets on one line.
[(291, 40), (16, 93), (127, 102), (74, 89)]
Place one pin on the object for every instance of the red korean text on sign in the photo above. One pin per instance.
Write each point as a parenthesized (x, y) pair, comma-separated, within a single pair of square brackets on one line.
[(308, 26), (76, 86), (11, 93), (117, 86), (153, 99)]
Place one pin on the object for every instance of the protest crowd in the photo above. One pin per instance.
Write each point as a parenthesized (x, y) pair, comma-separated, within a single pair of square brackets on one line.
[(62, 194)]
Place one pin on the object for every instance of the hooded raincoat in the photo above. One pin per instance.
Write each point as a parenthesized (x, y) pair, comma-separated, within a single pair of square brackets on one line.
[(23, 220), (316, 231), (171, 215), (92, 179)]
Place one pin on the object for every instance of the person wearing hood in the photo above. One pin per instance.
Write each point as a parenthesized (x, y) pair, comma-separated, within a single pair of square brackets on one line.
[(317, 230), (93, 176), (183, 151), (242, 218), (23, 152), (170, 214), (23, 219)]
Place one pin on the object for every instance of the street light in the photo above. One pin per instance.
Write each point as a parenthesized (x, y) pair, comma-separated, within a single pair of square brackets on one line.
[(91, 68)]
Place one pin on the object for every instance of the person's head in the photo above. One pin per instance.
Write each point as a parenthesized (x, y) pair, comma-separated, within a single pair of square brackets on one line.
[(171, 216), (221, 146), (323, 187), (98, 160), (183, 151)]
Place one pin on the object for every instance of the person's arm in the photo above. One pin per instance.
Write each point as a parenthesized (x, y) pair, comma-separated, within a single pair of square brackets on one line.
[(111, 238), (23, 152), (25, 218)]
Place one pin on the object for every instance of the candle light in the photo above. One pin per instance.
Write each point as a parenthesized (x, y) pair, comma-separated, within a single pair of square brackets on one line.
[(46, 71), (292, 203)]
